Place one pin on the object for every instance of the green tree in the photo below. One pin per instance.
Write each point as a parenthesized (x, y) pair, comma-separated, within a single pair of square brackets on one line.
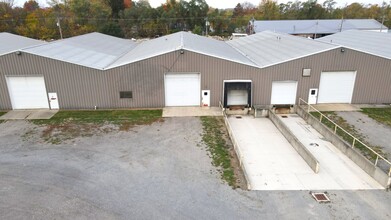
[(116, 6), (113, 29)]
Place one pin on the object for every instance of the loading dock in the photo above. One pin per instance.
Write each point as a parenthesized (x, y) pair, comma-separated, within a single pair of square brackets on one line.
[(237, 93), (271, 163)]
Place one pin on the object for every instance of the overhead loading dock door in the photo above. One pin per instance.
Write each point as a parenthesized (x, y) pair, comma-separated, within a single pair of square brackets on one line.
[(336, 87), (27, 92), (284, 92), (182, 89)]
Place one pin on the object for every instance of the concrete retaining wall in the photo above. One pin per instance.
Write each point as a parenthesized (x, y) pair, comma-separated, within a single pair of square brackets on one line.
[(299, 147), (237, 150), (372, 170)]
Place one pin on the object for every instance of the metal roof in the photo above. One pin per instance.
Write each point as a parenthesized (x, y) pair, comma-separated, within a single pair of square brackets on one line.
[(185, 41), (324, 26), (101, 51), (372, 42), (11, 42), (269, 48), (93, 50)]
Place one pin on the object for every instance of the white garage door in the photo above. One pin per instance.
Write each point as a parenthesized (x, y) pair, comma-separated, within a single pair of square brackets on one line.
[(284, 92), (237, 97), (182, 89), (336, 87), (27, 92)]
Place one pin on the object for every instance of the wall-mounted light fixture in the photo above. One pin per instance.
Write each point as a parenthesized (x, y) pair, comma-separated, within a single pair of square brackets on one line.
[(182, 51), (18, 53), (342, 49)]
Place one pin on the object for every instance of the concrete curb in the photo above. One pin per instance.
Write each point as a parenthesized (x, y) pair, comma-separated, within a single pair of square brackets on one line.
[(237, 150), (295, 143)]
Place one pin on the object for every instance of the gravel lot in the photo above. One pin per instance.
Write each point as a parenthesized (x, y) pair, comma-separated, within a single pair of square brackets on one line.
[(375, 133), (158, 171)]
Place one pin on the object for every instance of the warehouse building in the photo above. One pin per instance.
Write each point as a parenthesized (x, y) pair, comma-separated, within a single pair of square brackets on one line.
[(183, 69), (315, 28)]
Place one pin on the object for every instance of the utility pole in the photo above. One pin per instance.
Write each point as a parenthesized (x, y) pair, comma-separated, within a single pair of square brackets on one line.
[(340, 28), (59, 26)]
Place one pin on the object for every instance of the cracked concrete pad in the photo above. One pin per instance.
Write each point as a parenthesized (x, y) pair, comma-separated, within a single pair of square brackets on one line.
[(42, 114), (28, 114), (16, 115)]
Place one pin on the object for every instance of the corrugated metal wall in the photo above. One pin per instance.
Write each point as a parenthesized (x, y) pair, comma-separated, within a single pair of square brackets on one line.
[(83, 88)]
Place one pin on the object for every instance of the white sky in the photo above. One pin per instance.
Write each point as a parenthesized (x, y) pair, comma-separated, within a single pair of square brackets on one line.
[(232, 3)]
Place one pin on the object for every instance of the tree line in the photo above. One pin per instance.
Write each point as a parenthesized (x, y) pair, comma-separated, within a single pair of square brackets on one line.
[(137, 19)]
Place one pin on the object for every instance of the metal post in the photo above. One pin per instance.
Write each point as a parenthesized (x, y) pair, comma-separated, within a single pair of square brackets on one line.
[(320, 118), (206, 26), (354, 141), (377, 159), (59, 26), (335, 129)]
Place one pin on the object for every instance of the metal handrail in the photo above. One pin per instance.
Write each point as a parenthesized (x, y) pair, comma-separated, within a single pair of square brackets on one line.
[(336, 126), (222, 108)]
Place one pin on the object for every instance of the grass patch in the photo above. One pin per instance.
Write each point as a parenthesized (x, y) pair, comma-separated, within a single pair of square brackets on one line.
[(66, 125), (213, 137), (382, 115), (351, 129), (2, 113)]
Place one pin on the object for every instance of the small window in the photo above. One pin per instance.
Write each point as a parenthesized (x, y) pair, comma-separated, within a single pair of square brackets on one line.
[(126, 95), (307, 72)]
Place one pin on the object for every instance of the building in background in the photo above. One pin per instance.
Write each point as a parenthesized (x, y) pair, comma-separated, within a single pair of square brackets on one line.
[(315, 28)]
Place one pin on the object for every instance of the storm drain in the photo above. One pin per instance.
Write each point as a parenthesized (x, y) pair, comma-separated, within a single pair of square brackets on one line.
[(320, 197), (284, 116), (238, 117)]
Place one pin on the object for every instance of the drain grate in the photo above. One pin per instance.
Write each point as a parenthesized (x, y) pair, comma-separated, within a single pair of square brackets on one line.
[(239, 117), (314, 144), (284, 116), (320, 197)]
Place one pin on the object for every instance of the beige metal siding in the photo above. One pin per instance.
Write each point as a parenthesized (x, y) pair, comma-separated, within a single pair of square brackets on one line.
[(81, 87)]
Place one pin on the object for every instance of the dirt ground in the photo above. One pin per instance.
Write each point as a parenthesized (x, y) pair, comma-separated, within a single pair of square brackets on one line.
[(157, 171)]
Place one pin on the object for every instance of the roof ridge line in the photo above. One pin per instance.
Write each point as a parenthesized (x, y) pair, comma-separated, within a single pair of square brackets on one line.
[(122, 55), (243, 54), (182, 45)]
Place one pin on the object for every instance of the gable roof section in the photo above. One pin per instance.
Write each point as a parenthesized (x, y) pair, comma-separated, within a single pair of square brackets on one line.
[(103, 52), (371, 42), (93, 50), (11, 42), (324, 26), (268, 48), (185, 41)]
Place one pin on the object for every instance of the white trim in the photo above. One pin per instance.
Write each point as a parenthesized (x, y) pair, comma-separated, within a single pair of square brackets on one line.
[(238, 80)]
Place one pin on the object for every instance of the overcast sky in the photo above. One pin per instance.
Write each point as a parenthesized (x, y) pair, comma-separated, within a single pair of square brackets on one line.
[(233, 3)]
